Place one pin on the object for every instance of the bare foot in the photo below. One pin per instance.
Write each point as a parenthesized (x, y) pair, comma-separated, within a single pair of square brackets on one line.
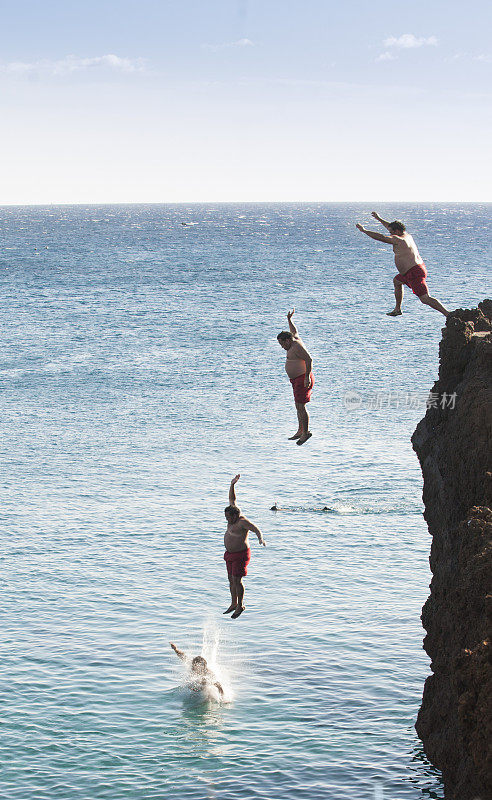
[(296, 436), (397, 312), (231, 608), (304, 437), (239, 610)]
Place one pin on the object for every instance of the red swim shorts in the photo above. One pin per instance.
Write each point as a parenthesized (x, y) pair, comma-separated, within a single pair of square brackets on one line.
[(415, 279), (301, 394), (237, 563)]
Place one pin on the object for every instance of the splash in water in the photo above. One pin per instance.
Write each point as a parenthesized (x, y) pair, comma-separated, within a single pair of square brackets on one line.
[(209, 680), (378, 792), (210, 651)]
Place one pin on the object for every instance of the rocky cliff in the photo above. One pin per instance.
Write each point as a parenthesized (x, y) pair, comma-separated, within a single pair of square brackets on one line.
[(454, 446)]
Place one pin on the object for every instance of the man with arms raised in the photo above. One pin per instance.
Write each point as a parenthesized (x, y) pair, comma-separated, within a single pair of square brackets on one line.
[(298, 366), (411, 268), (200, 675), (237, 554)]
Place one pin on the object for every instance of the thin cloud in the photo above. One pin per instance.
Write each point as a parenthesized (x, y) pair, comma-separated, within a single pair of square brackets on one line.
[(73, 64), (239, 43), (407, 41), (386, 56), (484, 58)]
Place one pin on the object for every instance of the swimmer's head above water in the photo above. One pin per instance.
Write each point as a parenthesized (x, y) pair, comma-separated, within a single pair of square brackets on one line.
[(199, 664)]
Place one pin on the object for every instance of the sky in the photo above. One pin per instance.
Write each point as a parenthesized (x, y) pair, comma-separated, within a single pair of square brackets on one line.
[(126, 101)]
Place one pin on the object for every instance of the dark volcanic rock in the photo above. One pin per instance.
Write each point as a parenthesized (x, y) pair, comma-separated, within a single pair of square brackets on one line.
[(454, 446)]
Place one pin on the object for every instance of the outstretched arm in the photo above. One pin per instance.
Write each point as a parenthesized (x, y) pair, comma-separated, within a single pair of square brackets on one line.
[(256, 530), (232, 491), (373, 235), (178, 652), (380, 219), (292, 327)]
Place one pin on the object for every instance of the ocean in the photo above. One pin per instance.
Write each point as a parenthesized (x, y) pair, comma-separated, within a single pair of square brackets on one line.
[(139, 372)]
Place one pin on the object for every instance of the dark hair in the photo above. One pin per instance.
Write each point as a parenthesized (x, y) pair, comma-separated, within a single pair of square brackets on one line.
[(284, 335), (397, 226), (234, 510), (199, 660)]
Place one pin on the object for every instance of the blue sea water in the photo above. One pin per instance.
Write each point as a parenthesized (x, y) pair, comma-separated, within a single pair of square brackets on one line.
[(139, 372)]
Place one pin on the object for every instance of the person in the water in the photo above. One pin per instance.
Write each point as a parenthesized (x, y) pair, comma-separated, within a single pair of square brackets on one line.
[(299, 368), (409, 263), (200, 675), (238, 553)]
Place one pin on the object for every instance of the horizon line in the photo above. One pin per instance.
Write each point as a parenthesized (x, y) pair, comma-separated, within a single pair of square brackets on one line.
[(233, 202)]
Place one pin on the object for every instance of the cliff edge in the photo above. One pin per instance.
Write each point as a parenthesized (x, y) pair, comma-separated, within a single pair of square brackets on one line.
[(454, 446)]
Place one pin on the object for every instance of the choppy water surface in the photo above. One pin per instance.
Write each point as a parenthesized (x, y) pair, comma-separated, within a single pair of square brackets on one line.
[(139, 372)]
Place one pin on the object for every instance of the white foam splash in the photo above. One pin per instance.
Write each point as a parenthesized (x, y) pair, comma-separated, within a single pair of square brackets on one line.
[(210, 651), (210, 642), (378, 792)]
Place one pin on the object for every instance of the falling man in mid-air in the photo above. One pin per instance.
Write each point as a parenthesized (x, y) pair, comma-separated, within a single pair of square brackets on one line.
[(238, 553), (411, 268), (299, 368)]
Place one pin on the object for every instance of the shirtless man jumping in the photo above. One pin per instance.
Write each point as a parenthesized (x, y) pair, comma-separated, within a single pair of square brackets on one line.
[(411, 268), (237, 554), (298, 366)]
